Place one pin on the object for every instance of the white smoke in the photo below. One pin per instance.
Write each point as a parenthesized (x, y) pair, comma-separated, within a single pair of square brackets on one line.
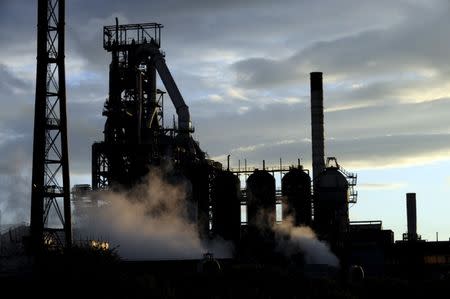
[(15, 188), (149, 222), (293, 240)]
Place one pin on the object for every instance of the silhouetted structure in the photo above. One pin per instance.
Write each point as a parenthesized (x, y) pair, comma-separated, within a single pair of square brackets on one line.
[(411, 214), (261, 200), (135, 139), (134, 134), (296, 189), (317, 128), (332, 185), (50, 189), (331, 207), (226, 191)]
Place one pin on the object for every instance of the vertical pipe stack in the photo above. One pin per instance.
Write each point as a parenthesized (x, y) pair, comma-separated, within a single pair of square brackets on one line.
[(411, 215), (317, 130)]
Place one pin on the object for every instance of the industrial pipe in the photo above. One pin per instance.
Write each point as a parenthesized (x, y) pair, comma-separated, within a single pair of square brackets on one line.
[(157, 59)]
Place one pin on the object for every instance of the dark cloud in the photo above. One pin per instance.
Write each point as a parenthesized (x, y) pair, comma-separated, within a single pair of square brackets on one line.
[(283, 130), (353, 153), (411, 46), (10, 84), (243, 68), (85, 127)]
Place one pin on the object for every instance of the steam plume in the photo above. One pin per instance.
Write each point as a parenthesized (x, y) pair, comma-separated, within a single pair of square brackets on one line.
[(150, 221), (15, 186), (302, 239)]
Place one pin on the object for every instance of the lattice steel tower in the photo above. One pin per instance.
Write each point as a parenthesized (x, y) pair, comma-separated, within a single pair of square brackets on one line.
[(50, 190)]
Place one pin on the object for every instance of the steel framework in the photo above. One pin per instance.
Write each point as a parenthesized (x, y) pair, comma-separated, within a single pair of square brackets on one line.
[(50, 191), (276, 171), (134, 136)]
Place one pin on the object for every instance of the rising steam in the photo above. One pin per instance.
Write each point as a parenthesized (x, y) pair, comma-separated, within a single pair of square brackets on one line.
[(153, 221), (15, 183), (302, 239), (149, 222)]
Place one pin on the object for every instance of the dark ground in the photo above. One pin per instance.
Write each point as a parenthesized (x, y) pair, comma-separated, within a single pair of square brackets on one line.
[(91, 273)]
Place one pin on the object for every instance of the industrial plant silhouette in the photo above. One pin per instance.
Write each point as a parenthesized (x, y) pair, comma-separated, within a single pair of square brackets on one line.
[(268, 256)]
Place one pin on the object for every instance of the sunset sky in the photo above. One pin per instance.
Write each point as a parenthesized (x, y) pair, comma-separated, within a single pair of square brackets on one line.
[(243, 68)]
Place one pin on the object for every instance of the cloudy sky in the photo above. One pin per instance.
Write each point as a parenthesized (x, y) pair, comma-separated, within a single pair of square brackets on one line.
[(243, 68)]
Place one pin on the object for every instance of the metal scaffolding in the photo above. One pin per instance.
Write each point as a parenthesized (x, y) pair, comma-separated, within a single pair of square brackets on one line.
[(50, 191)]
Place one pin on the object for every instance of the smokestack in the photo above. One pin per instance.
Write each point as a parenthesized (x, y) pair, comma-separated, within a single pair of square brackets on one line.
[(412, 216), (317, 124)]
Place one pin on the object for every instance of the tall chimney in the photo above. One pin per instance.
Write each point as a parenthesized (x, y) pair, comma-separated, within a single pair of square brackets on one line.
[(411, 215), (318, 159)]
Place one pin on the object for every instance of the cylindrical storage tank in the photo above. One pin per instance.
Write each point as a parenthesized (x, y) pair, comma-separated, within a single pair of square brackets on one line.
[(261, 201), (331, 203), (226, 196), (296, 191), (198, 175)]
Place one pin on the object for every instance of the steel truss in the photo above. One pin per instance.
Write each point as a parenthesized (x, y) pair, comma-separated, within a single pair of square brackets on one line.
[(50, 191)]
